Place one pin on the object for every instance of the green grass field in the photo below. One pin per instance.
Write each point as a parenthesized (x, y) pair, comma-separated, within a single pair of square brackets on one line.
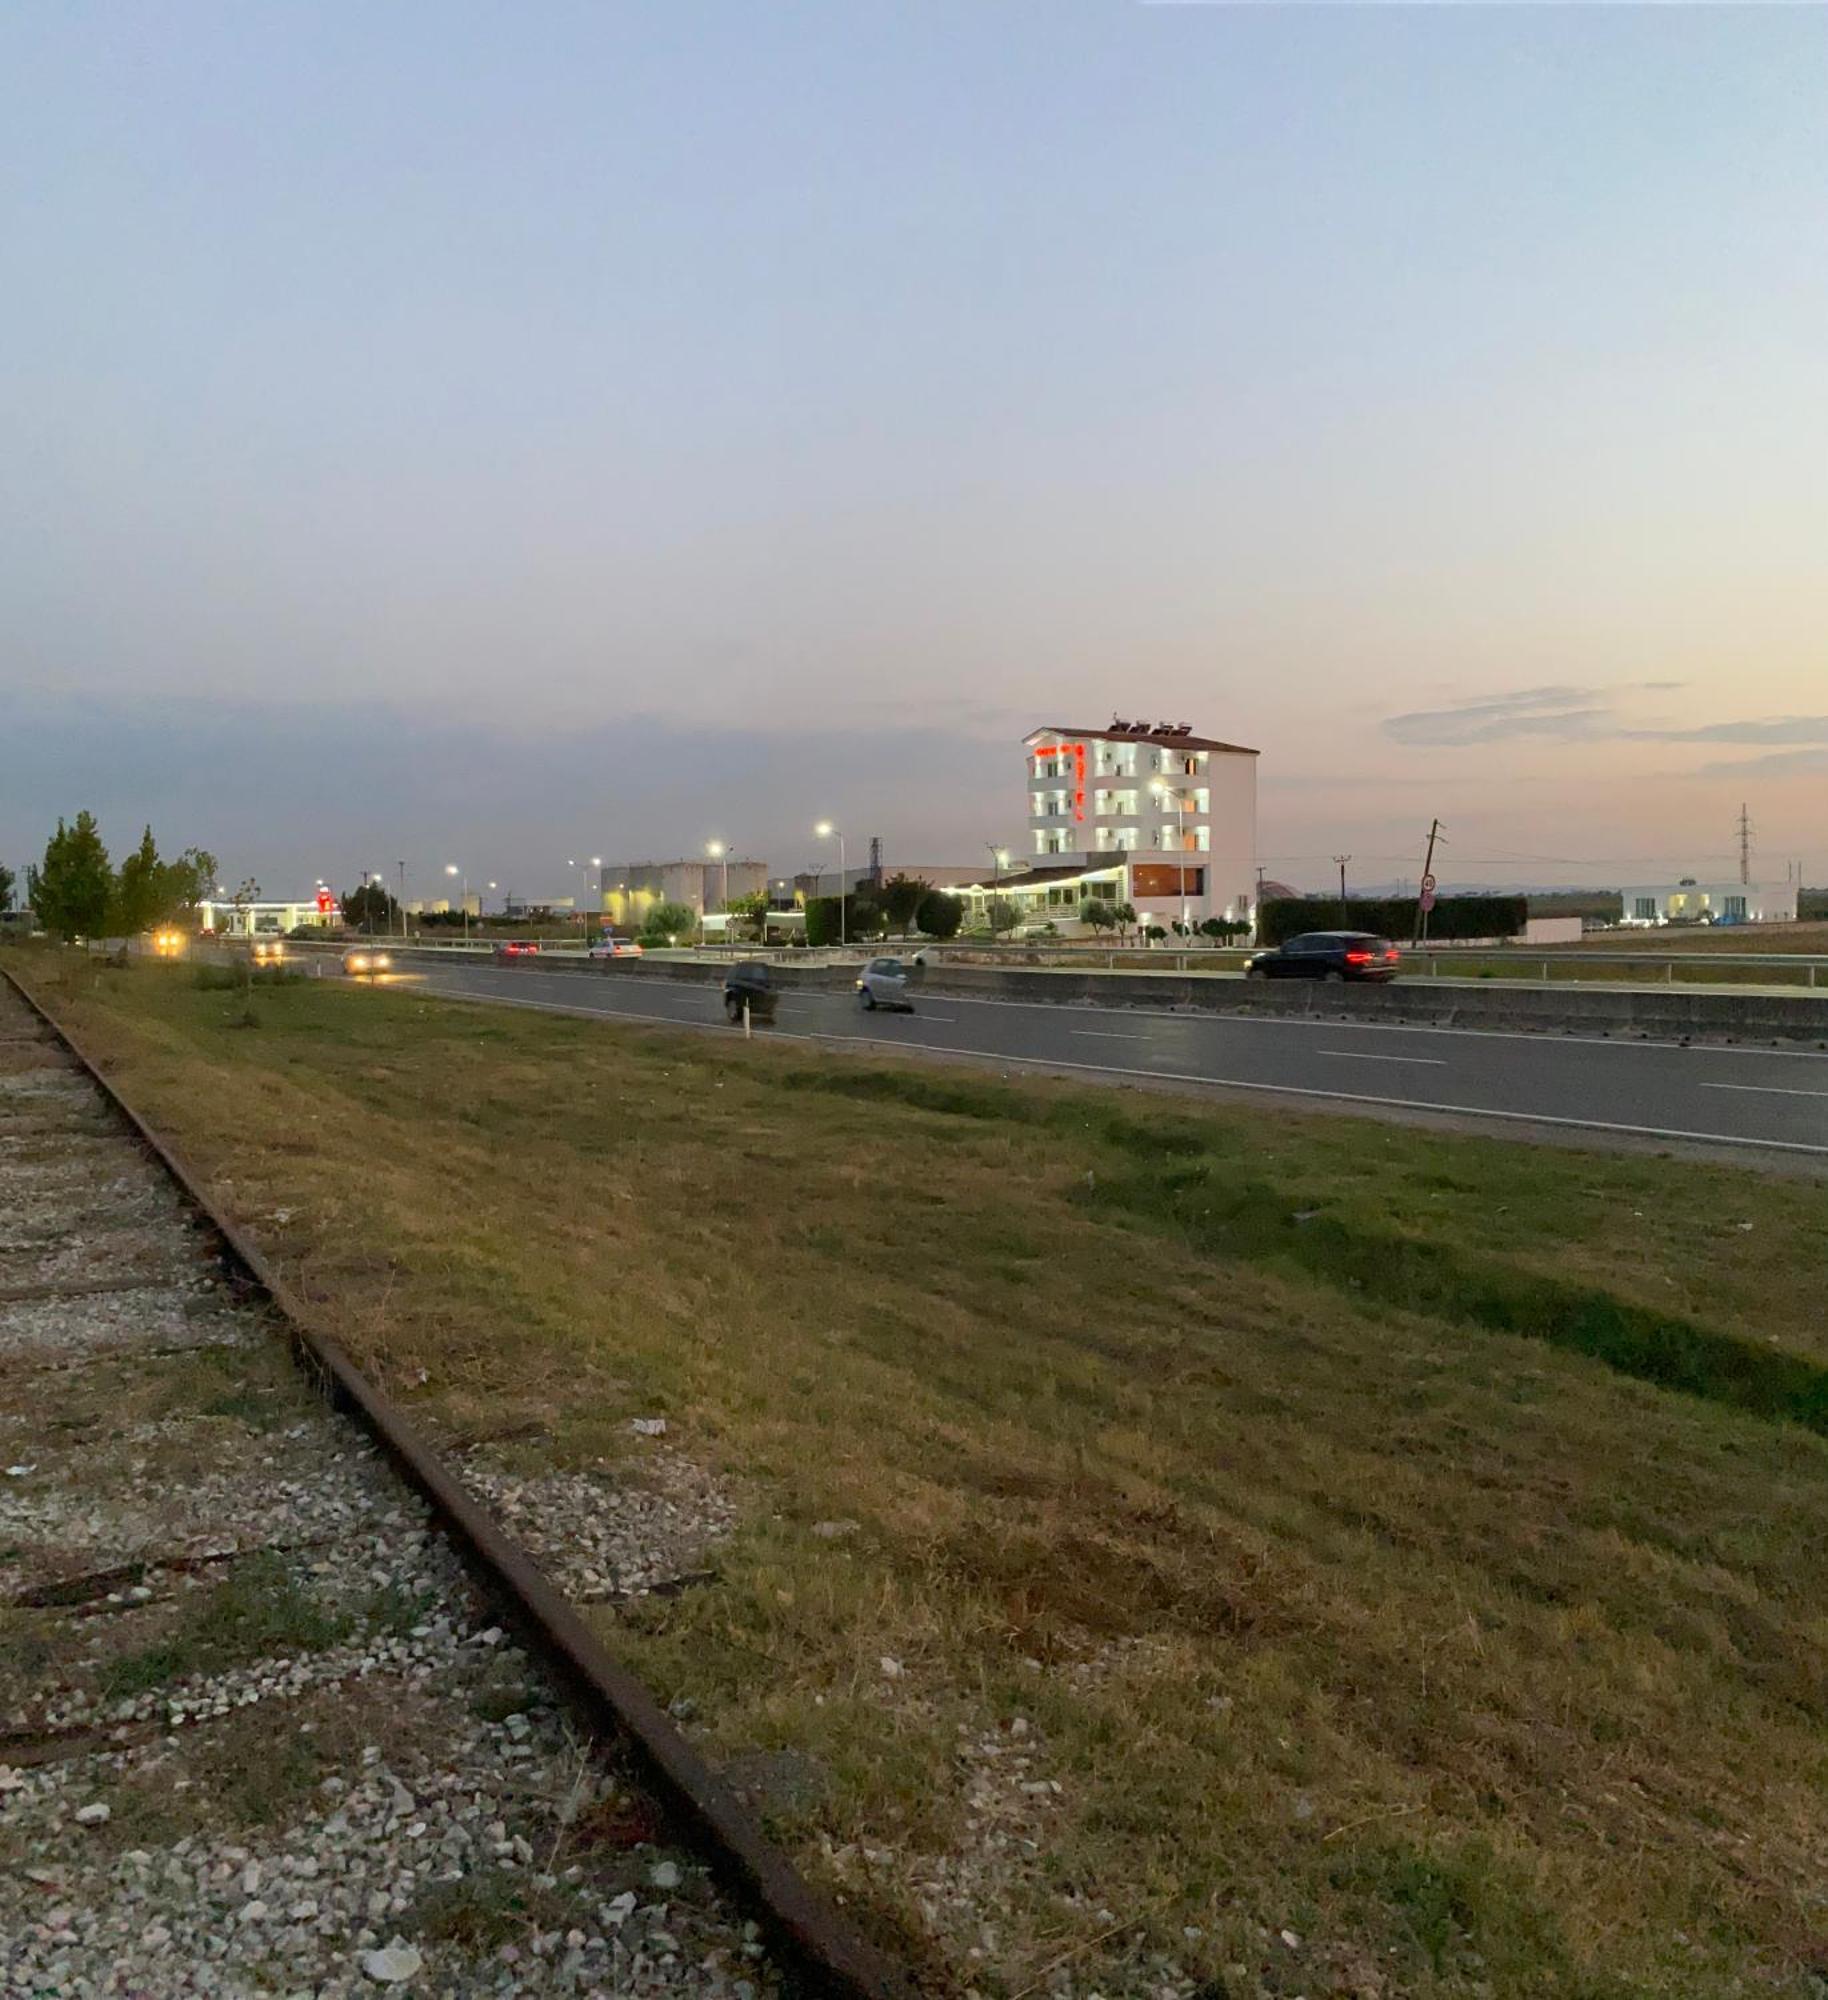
[(1313, 1557)]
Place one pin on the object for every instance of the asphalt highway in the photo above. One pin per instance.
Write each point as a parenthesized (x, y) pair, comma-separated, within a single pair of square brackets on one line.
[(1656, 1090)]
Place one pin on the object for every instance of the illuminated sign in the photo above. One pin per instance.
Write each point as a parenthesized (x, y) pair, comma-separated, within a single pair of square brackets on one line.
[(1076, 751)]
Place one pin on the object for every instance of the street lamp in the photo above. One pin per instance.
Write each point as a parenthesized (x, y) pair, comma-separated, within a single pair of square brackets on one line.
[(1162, 791), (826, 831), (719, 851), (999, 859), (451, 868)]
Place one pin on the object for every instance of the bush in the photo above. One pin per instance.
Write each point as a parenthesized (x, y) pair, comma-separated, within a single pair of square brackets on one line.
[(667, 921), (822, 919), (1284, 917), (939, 915), (232, 978)]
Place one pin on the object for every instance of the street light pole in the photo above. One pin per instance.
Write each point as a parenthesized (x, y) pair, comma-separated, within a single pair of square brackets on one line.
[(719, 850), (1180, 835), (451, 868), (826, 831)]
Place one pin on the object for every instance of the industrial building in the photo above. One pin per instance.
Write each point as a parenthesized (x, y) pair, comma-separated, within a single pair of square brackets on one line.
[(630, 889)]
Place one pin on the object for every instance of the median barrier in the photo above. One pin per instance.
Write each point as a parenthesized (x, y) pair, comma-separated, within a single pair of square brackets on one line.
[(1660, 1013)]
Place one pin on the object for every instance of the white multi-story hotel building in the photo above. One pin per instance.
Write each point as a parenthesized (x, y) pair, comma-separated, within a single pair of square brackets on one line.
[(1144, 813)]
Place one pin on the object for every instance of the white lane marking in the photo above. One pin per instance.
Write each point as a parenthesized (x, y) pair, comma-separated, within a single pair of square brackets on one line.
[(1209, 1082), (1766, 1089), (1222, 1014), (1360, 1097), (1370, 1055), (1109, 1034)]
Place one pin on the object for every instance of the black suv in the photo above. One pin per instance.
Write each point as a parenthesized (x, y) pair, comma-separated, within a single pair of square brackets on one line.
[(1327, 955)]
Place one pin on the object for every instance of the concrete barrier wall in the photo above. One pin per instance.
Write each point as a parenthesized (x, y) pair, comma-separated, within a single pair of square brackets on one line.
[(1662, 1013), (1715, 1015)]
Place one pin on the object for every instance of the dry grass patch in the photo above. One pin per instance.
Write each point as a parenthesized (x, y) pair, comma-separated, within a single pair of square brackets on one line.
[(1404, 1542)]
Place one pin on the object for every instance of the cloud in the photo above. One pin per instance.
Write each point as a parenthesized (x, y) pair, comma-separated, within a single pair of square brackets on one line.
[(1585, 715), (1768, 729), (289, 791), (1779, 763), (1565, 713)]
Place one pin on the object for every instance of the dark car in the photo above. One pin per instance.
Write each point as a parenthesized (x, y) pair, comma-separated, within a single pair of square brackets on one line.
[(748, 991), (1327, 955)]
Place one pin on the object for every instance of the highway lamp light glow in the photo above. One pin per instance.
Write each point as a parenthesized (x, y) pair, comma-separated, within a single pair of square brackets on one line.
[(826, 831)]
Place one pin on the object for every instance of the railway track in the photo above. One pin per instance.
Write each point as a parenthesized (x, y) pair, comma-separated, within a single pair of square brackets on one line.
[(281, 1708)]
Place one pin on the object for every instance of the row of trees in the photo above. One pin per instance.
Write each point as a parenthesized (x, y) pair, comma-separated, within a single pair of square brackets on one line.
[(76, 890), (872, 912)]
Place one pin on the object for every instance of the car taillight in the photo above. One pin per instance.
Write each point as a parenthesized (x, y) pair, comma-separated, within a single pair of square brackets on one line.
[(1358, 958)]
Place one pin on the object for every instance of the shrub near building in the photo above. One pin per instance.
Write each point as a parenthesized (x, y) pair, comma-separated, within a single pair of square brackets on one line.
[(1453, 917)]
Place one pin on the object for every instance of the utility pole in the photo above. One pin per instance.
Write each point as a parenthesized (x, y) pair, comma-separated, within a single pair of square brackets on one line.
[(401, 865), (1745, 846), (1424, 901), (1341, 860)]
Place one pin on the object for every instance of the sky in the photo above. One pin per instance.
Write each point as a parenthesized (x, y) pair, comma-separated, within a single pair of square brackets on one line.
[(490, 434)]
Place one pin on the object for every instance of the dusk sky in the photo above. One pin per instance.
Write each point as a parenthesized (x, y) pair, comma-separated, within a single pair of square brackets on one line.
[(491, 434)]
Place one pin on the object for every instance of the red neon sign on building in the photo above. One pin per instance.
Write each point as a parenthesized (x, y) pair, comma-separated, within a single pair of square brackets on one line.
[(1076, 751)]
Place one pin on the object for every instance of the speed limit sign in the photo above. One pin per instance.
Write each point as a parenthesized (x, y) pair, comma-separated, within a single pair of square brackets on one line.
[(1427, 892)]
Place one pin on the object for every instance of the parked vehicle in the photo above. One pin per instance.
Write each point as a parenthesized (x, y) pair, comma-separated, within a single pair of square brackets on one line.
[(887, 982), (1327, 955), (268, 951), (363, 961), (514, 948), (615, 947), (748, 989)]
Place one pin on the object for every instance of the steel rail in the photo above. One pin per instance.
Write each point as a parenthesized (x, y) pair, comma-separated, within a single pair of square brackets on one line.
[(807, 1933)]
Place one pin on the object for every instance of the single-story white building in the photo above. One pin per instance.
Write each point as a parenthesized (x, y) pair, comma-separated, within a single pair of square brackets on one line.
[(1691, 902)]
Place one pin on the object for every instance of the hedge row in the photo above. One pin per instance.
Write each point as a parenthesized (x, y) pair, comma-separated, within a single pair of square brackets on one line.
[(937, 916), (1283, 917)]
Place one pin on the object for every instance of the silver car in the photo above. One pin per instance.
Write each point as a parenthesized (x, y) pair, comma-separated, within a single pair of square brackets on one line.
[(887, 982)]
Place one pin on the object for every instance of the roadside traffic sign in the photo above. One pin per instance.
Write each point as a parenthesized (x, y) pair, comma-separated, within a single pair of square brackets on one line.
[(1427, 898)]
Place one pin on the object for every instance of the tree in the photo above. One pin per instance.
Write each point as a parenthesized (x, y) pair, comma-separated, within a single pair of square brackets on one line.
[(7, 879), (371, 908), (184, 883), (1097, 915), (752, 912), (1224, 929), (1155, 933), (865, 917), (822, 920), (72, 889), (1001, 915), (134, 907), (1125, 915), (939, 915), (244, 899), (902, 896), (670, 921)]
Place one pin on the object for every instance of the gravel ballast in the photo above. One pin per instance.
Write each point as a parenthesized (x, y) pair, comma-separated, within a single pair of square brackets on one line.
[(257, 1732)]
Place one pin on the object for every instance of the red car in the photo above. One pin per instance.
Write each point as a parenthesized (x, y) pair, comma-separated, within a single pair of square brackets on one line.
[(516, 948)]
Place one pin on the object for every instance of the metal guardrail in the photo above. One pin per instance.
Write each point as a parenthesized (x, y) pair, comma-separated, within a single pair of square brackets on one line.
[(1802, 969)]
